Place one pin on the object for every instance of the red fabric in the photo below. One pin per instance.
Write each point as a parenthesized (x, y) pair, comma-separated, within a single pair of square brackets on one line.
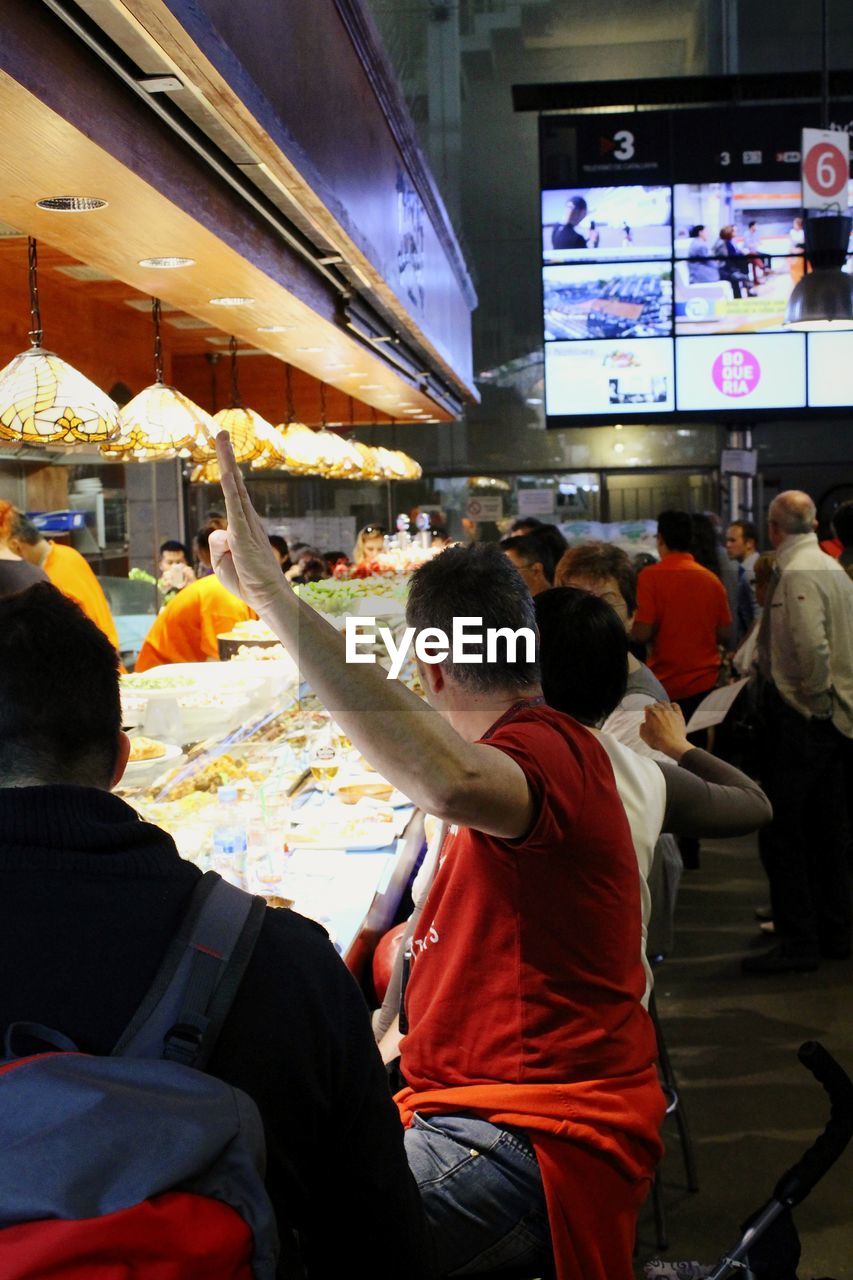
[(833, 547), (176, 1236), (526, 961), (384, 957), (597, 1143), (685, 604)]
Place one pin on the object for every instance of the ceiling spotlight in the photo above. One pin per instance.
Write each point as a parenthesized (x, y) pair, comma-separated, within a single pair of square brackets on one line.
[(275, 328), (71, 204), (372, 386), (231, 302), (166, 264), (311, 350)]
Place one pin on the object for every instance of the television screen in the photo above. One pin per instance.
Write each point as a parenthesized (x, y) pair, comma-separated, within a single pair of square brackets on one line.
[(830, 369), (607, 300), (670, 299), (756, 371), (613, 223), (609, 377)]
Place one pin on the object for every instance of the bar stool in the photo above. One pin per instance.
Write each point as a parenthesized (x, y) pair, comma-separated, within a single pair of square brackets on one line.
[(675, 1106)]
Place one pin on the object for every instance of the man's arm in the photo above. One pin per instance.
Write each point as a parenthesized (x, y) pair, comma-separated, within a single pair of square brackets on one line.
[(404, 739)]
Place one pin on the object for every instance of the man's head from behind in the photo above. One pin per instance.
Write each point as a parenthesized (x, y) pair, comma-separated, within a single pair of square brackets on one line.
[(475, 582), (675, 531), (583, 653), (604, 570), (790, 513), (533, 559), (60, 712)]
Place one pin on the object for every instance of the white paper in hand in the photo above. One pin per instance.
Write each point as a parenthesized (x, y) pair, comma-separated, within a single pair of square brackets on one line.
[(714, 709)]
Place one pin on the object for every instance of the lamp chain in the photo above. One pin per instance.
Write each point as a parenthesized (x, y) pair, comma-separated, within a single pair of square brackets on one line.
[(323, 405), (158, 341), (35, 334), (288, 384), (235, 386)]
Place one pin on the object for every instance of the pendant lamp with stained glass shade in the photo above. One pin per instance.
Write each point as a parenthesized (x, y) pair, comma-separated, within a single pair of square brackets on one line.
[(238, 421), (160, 422), (43, 400)]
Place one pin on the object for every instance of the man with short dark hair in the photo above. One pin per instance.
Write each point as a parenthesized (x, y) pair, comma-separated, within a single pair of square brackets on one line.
[(683, 612), (805, 654), (92, 898), (742, 547), (532, 1109), (174, 568), (533, 560)]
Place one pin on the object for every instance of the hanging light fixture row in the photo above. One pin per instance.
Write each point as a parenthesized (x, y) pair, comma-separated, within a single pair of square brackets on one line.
[(44, 401)]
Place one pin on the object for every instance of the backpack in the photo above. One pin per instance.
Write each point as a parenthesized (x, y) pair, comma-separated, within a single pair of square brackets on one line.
[(139, 1164)]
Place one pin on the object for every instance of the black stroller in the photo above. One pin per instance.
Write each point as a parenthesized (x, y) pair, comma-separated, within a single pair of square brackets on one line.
[(769, 1248)]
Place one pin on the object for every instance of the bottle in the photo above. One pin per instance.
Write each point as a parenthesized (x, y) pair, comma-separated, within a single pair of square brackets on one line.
[(229, 836)]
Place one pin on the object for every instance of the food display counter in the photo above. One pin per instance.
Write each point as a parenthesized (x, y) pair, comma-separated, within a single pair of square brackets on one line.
[(277, 800)]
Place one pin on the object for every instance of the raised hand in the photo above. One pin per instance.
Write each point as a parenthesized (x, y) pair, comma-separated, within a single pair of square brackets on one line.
[(241, 555), (664, 730)]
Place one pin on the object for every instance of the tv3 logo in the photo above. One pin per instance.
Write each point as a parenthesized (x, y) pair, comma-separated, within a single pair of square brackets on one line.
[(622, 145)]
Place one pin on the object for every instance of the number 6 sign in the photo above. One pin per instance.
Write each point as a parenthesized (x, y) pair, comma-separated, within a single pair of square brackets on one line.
[(826, 168)]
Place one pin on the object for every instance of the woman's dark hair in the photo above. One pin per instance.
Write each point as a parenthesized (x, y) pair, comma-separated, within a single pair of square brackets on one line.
[(703, 543), (280, 545), (583, 653), (842, 523), (312, 569)]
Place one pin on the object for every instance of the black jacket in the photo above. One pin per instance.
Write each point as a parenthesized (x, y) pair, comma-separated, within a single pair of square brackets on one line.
[(90, 897)]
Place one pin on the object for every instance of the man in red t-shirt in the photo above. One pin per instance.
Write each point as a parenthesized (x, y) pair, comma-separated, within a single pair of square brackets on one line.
[(532, 1108), (683, 610)]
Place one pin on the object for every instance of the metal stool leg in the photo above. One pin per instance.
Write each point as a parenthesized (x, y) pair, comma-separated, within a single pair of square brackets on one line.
[(676, 1105)]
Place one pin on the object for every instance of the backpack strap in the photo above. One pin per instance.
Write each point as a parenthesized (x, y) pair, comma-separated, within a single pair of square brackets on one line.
[(183, 1011)]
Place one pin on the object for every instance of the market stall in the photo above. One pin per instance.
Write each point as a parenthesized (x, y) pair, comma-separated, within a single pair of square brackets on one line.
[(250, 775)]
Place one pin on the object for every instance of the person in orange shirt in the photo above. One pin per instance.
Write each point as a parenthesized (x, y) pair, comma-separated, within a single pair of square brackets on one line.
[(186, 629), (66, 569), (683, 610)]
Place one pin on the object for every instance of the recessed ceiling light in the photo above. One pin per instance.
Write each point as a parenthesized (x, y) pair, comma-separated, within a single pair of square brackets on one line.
[(231, 302), (310, 350), (275, 328), (382, 337), (71, 204), (372, 386), (167, 263)]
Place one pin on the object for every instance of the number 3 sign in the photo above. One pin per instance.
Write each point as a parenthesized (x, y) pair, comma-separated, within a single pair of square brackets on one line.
[(826, 169)]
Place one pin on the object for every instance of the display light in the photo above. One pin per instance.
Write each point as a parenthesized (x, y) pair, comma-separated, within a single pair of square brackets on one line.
[(238, 421), (160, 422), (43, 400), (823, 299)]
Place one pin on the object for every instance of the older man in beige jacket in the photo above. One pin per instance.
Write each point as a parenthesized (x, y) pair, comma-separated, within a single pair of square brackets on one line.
[(805, 646)]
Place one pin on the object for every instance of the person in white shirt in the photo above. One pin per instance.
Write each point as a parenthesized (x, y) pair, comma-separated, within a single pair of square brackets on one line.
[(805, 654)]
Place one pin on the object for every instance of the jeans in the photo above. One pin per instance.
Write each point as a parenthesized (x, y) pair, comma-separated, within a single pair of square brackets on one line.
[(482, 1195)]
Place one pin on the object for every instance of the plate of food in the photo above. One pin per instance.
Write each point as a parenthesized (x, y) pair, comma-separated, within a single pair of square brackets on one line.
[(148, 758)]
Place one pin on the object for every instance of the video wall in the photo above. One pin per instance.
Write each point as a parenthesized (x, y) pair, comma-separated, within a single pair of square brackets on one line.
[(668, 295)]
